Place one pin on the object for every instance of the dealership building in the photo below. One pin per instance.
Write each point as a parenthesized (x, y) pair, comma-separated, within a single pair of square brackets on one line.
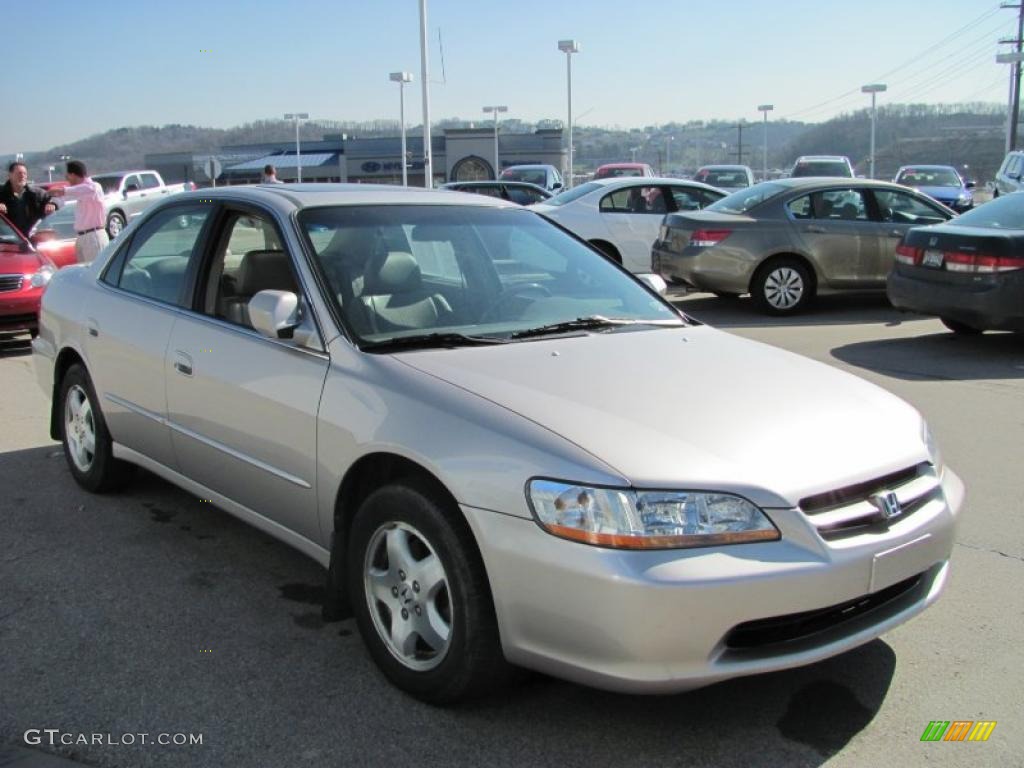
[(460, 154)]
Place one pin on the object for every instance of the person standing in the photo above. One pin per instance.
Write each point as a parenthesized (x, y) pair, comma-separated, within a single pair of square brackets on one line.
[(90, 213), (270, 175), (22, 204)]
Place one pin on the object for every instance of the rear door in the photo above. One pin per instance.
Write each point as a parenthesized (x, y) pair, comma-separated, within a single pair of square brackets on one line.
[(838, 233), (128, 326), (632, 214), (898, 211), (242, 407)]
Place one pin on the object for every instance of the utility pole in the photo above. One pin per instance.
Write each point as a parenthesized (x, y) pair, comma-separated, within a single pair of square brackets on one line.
[(1015, 72)]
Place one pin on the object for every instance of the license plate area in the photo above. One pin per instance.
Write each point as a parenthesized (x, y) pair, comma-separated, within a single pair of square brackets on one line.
[(933, 258)]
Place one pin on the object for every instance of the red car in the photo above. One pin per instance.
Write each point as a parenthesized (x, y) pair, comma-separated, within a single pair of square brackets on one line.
[(24, 273), (614, 170), (55, 236)]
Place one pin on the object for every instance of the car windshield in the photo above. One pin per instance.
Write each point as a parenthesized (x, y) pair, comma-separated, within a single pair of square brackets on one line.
[(7, 234), (109, 183), (822, 168), (573, 194), (532, 175), (747, 198), (929, 177), (1006, 212), (718, 177), (438, 273), (608, 173), (62, 222)]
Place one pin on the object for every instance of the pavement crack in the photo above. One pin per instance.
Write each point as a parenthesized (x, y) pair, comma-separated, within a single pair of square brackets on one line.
[(992, 551)]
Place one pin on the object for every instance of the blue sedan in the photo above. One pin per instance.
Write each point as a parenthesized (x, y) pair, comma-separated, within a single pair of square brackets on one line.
[(939, 182)]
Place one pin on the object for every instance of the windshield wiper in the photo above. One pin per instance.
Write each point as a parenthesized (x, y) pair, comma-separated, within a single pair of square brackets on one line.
[(589, 323), (429, 340)]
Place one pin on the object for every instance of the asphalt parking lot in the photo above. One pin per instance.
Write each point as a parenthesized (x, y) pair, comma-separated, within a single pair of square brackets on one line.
[(150, 612)]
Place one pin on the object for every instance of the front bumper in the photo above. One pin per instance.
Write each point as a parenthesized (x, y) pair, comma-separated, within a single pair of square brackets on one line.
[(985, 302), (661, 622), (19, 310)]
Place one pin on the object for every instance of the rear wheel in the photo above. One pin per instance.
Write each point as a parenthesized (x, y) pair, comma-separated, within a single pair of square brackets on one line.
[(87, 444), (960, 329), (421, 597), (608, 250), (782, 286)]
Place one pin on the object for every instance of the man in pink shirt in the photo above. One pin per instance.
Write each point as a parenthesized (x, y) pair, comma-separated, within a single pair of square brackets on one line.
[(90, 214)]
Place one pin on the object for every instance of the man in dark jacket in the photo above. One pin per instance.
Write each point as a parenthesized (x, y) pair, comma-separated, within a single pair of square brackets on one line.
[(20, 203)]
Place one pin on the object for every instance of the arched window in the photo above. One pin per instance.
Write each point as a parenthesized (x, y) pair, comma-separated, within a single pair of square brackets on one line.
[(472, 168)]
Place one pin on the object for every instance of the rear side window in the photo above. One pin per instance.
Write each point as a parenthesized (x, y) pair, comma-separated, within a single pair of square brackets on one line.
[(150, 181), (801, 208), (634, 200), (839, 204), (159, 254)]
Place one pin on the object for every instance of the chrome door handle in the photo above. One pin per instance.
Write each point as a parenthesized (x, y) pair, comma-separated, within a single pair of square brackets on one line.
[(815, 229), (895, 233), (93, 326), (183, 363)]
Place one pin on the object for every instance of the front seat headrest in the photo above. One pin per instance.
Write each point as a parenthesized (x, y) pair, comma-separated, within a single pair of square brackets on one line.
[(394, 272)]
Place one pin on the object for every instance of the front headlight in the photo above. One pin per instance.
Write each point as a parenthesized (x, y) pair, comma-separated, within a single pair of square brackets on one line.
[(934, 454), (623, 518), (42, 277)]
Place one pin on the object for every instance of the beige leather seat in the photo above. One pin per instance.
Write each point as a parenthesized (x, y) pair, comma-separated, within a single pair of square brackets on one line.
[(258, 271), (394, 296)]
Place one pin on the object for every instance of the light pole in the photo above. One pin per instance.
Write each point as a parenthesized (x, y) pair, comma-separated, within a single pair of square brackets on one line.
[(428, 150), (569, 47), (402, 78), (874, 89), (765, 109), (496, 110), (297, 117), (49, 172), (668, 147), (1013, 58), (634, 150)]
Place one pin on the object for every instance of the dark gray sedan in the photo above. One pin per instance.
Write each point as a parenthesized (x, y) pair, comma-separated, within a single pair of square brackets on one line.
[(784, 241)]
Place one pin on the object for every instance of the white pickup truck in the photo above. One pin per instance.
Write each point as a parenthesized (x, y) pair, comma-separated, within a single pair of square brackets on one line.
[(129, 193)]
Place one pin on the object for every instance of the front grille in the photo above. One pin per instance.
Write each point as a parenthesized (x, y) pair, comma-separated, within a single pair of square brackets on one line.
[(798, 626), (849, 511), (11, 282)]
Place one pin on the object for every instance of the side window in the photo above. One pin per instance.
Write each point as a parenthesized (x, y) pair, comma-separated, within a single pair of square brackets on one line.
[(691, 199), (132, 183), (150, 181), (249, 259), (901, 208), (524, 195), (159, 254), (634, 200), (1014, 167), (488, 191), (801, 208), (839, 205)]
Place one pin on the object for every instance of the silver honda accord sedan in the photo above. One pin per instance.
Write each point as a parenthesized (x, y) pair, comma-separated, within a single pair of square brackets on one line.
[(502, 447)]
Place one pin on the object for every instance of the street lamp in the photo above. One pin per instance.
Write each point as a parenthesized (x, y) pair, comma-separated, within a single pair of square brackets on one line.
[(668, 147), (402, 78), (1014, 58), (428, 150), (495, 110), (873, 89), (569, 47), (634, 150), (297, 117), (49, 172), (765, 108)]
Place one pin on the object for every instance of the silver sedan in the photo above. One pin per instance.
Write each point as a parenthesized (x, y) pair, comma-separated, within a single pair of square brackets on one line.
[(785, 241), (472, 420)]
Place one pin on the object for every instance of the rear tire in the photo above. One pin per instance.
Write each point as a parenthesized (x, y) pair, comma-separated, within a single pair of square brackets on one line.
[(960, 329), (87, 444), (115, 223), (782, 286), (421, 596)]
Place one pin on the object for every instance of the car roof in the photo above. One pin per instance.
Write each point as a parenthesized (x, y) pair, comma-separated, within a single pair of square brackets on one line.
[(928, 167), (724, 167), (284, 197), (833, 181), (830, 158), (528, 166), (493, 183), (647, 181), (623, 165)]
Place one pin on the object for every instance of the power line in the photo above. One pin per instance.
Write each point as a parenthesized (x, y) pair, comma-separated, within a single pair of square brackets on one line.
[(982, 55)]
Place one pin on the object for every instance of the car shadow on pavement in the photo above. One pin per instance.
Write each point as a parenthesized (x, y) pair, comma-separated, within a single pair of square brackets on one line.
[(150, 608), (14, 346), (940, 356), (836, 309)]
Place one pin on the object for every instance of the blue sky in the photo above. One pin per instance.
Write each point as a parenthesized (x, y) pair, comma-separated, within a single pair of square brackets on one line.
[(87, 66)]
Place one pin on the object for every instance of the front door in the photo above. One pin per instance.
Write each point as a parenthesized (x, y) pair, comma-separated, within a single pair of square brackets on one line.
[(838, 234), (242, 408), (899, 211), (633, 217)]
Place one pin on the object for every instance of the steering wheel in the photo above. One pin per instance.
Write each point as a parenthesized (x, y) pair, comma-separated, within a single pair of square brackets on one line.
[(511, 292)]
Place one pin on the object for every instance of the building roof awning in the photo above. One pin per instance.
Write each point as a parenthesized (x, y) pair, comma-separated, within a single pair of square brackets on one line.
[(309, 160)]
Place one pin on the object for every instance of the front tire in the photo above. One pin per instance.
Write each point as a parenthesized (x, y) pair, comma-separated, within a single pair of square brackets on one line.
[(960, 329), (87, 444), (782, 286), (421, 597), (115, 224)]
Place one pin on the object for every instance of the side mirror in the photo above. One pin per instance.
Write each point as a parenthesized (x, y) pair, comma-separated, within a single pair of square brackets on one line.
[(556, 186), (274, 314), (654, 281), (971, 184), (43, 236)]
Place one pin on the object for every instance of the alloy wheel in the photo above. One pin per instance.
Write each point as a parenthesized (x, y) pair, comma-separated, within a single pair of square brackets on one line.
[(80, 428), (783, 288)]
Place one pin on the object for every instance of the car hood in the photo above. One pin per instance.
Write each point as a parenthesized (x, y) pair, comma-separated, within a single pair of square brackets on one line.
[(941, 193), (695, 408), (21, 263)]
